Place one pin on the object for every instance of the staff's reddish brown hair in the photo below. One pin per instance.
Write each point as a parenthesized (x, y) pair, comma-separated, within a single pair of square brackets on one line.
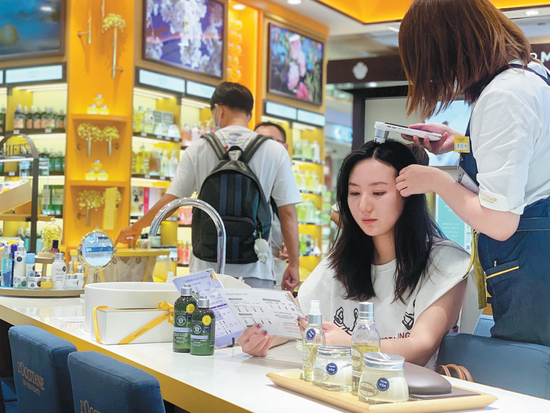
[(454, 47)]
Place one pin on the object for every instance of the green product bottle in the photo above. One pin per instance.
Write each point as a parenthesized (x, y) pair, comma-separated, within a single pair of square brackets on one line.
[(203, 332), (184, 308)]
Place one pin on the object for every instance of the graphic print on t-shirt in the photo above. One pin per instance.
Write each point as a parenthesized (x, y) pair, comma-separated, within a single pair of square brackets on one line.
[(339, 318), (408, 318)]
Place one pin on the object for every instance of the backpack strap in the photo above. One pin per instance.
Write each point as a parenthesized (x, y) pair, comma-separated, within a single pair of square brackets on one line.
[(253, 147), (215, 143)]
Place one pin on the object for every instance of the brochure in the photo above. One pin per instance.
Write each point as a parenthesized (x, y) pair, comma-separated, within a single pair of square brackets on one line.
[(275, 310)]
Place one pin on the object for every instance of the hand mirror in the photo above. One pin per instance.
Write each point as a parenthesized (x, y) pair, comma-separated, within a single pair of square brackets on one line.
[(96, 250)]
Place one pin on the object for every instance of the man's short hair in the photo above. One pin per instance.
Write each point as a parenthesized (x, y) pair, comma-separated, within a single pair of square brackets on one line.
[(279, 127), (234, 96)]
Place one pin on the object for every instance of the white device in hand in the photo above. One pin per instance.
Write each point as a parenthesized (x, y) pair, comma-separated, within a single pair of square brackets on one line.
[(383, 128)]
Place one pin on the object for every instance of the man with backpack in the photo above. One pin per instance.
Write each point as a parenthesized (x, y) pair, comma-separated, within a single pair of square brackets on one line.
[(238, 174)]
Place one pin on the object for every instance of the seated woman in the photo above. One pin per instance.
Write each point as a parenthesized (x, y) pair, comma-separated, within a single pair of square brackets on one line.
[(388, 251)]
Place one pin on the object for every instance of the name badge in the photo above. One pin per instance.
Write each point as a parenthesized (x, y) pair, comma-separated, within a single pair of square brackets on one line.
[(462, 144)]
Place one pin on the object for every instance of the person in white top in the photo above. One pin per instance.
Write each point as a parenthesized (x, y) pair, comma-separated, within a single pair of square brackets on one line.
[(388, 251), (473, 50), (278, 249), (231, 106)]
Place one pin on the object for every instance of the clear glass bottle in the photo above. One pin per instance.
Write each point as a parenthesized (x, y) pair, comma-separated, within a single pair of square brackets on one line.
[(332, 369), (383, 379), (184, 307), (365, 339), (314, 337)]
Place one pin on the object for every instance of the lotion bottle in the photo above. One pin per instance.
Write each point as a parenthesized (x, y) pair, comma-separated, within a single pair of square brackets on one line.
[(7, 274), (59, 271), (203, 329), (314, 337), (32, 280), (79, 277), (19, 263), (184, 308)]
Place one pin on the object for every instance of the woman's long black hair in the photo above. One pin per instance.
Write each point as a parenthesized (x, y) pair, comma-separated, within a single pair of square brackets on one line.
[(415, 231)]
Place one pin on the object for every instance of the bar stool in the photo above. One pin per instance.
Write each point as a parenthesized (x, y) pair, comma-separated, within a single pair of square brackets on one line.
[(40, 370), (101, 383)]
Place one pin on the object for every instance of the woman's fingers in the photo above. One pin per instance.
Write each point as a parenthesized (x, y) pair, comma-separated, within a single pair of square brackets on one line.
[(246, 334)]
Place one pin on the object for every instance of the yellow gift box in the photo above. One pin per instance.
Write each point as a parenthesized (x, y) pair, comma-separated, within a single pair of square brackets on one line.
[(133, 325)]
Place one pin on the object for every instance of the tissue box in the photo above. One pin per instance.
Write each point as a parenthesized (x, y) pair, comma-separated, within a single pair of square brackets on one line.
[(115, 324)]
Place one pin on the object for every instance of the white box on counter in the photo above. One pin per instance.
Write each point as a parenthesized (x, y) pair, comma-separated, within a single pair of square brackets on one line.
[(115, 324)]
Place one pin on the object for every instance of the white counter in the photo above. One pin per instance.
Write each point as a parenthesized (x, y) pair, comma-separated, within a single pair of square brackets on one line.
[(229, 381)]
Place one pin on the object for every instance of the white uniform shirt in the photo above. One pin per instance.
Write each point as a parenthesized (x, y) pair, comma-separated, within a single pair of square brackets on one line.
[(272, 167), (395, 319), (510, 135)]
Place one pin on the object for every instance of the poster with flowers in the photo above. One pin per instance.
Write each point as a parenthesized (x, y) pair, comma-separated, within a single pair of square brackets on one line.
[(187, 34), (295, 65)]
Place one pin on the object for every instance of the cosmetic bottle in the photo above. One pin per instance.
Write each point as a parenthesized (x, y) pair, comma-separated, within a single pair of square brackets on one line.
[(32, 279), (203, 329), (79, 277), (314, 337), (184, 307), (46, 281), (59, 271), (7, 279), (365, 339), (19, 264)]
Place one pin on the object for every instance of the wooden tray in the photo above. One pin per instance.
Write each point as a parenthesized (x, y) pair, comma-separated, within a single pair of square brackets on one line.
[(291, 380), (15, 292)]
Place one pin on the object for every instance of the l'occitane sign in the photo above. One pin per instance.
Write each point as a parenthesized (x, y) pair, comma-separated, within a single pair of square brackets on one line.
[(378, 11)]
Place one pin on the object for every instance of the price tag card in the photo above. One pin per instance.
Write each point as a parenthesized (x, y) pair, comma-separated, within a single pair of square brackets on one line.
[(275, 310)]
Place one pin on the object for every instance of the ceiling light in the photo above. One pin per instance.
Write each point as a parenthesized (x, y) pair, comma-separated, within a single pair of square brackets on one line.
[(393, 29), (44, 88), (152, 94), (238, 6), (294, 2), (372, 84), (531, 13), (194, 103), (46, 8)]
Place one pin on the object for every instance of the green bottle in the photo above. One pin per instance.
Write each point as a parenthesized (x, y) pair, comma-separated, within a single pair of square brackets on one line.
[(203, 332), (184, 307)]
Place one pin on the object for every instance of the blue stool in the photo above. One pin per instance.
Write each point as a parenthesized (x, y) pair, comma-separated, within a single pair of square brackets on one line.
[(510, 365), (40, 370), (101, 383)]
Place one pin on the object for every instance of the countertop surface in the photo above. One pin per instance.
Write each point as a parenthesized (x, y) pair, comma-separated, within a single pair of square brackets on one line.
[(229, 379)]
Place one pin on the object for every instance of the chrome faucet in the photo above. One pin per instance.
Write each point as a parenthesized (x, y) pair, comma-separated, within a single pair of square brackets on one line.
[(197, 203)]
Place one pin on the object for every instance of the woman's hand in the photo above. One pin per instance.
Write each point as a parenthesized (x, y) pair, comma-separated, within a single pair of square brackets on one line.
[(255, 341), (335, 336), (444, 145), (418, 179)]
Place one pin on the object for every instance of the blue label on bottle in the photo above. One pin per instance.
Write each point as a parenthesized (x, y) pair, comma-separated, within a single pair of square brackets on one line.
[(332, 369), (310, 334), (383, 384)]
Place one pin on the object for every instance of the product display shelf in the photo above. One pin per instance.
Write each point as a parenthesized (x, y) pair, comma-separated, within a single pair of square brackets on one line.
[(304, 161), (183, 265), (13, 174), (18, 292), (306, 192), (160, 138), (33, 217), (100, 118), (152, 177), (108, 183), (184, 225), (27, 217), (32, 132)]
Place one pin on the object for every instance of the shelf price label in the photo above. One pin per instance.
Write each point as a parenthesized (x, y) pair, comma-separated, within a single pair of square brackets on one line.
[(147, 176)]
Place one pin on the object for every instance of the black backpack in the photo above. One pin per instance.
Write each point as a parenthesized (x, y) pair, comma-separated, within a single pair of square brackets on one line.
[(235, 192)]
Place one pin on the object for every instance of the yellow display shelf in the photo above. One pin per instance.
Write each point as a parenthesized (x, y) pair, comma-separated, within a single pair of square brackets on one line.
[(100, 118), (83, 182), (26, 217)]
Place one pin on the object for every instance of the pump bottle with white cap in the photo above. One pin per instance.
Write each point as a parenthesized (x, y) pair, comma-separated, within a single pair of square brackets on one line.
[(314, 337)]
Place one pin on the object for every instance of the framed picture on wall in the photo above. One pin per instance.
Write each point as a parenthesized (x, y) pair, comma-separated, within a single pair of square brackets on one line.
[(295, 65), (32, 28), (186, 34)]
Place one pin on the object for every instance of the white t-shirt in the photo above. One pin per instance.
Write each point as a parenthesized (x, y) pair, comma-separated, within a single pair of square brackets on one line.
[(272, 167), (395, 319), (510, 134)]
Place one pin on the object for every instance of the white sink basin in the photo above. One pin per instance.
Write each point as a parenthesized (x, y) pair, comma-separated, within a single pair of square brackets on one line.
[(126, 295)]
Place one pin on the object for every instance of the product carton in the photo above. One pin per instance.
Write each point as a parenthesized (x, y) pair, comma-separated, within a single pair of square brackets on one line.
[(115, 324)]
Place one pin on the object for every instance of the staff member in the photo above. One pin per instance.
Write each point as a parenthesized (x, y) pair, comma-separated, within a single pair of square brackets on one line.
[(473, 50)]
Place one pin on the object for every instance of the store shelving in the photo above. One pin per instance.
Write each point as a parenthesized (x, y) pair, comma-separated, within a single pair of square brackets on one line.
[(159, 138), (108, 183), (33, 132), (100, 118), (152, 177), (27, 217)]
